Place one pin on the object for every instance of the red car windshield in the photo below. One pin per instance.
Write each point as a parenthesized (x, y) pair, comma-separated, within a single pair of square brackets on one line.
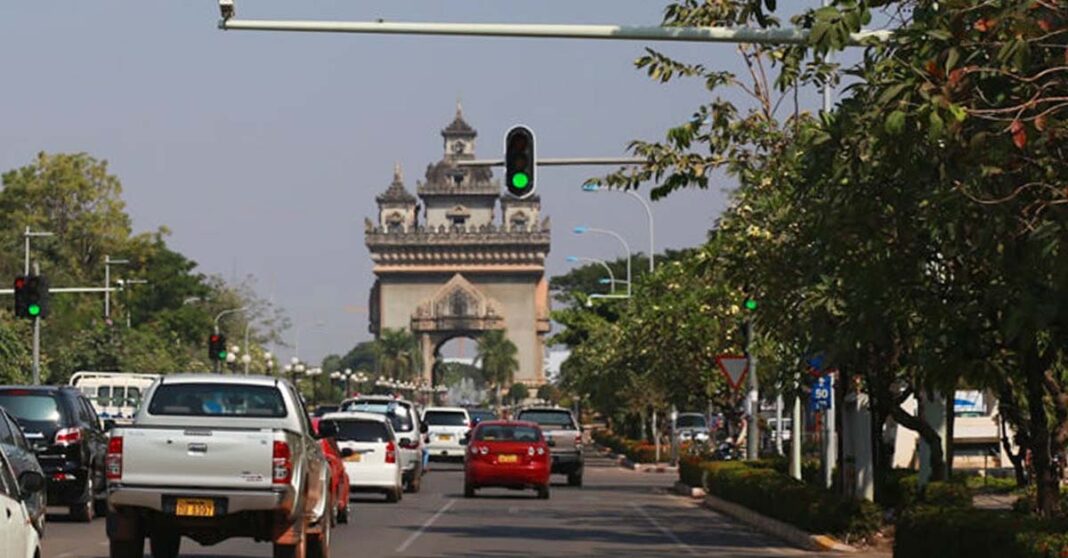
[(507, 433)]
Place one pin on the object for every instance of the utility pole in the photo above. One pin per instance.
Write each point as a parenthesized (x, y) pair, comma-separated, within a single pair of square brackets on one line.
[(830, 443), (796, 432), (108, 262)]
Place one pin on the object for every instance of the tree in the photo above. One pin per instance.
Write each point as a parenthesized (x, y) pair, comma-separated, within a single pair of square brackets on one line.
[(549, 393), (518, 393), (499, 362), (398, 355)]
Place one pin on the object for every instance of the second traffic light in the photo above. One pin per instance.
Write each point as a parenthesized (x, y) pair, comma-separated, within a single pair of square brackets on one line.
[(217, 347), (31, 296), (519, 161)]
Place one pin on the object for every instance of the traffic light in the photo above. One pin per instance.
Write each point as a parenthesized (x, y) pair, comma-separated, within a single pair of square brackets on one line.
[(519, 161), (217, 347), (31, 296)]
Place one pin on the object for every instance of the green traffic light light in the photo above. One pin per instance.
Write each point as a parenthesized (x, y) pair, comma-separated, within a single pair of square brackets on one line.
[(222, 355), (750, 304), (520, 180), (34, 310)]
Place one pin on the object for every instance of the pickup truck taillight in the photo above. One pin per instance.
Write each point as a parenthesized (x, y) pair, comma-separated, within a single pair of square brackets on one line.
[(68, 436), (281, 463), (113, 461), (578, 440), (391, 452)]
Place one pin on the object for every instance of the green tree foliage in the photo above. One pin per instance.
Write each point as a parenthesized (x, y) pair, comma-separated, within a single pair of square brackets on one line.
[(518, 392), (499, 361), (75, 197), (398, 355), (549, 393), (913, 234)]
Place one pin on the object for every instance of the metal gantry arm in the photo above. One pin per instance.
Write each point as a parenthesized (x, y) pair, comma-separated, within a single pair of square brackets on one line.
[(647, 33)]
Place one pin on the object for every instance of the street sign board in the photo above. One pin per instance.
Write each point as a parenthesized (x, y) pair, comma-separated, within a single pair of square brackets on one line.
[(822, 391), (734, 367)]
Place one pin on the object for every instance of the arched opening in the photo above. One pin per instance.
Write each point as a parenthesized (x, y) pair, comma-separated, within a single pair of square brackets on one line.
[(456, 367)]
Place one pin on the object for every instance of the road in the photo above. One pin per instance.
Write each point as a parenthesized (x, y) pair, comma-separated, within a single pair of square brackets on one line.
[(618, 513)]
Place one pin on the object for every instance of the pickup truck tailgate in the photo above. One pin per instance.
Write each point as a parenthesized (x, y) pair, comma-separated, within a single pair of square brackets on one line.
[(197, 457)]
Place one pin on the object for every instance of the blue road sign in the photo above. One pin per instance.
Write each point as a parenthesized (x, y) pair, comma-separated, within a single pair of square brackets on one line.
[(822, 391)]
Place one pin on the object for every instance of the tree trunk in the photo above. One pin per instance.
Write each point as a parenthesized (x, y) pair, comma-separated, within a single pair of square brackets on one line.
[(1012, 414), (929, 436), (1048, 486), (951, 419)]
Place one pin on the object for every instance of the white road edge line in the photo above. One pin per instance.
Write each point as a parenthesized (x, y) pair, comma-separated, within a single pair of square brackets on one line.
[(674, 538), (411, 538)]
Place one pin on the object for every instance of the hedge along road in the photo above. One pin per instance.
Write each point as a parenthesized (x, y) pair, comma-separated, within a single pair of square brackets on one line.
[(618, 513)]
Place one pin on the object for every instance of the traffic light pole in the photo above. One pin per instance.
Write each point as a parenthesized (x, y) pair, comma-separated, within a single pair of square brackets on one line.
[(752, 427), (36, 336)]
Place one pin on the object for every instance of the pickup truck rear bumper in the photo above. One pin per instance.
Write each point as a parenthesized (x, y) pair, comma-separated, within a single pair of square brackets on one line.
[(566, 462), (152, 498)]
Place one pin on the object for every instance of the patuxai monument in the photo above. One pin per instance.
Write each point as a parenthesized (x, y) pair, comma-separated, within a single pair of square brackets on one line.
[(458, 259)]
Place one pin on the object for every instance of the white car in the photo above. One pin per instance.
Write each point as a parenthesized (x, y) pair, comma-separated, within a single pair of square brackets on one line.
[(406, 426), (446, 427), (370, 451), (18, 537)]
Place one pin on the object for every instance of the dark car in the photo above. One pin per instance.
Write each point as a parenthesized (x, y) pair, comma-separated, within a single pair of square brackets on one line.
[(20, 453), (69, 442), (479, 415)]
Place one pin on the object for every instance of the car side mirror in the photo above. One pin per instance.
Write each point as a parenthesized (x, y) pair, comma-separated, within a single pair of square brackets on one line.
[(464, 440), (31, 482), (107, 424), (424, 428), (327, 429), (551, 443)]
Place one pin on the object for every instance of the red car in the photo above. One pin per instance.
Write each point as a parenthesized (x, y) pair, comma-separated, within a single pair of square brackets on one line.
[(339, 479), (508, 454)]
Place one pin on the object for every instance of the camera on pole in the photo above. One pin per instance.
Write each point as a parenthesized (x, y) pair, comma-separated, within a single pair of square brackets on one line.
[(519, 162)]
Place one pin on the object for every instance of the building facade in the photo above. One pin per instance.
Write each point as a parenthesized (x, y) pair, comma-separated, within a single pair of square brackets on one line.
[(457, 259)]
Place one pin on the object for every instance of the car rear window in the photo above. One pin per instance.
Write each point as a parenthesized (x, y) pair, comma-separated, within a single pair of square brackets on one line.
[(31, 407), (399, 415), (215, 399), (361, 431), (691, 421), (506, 433), (548, 418), (445, 418)]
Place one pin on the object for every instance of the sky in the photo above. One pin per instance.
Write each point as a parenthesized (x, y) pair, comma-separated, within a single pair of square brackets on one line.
[(262, 152)]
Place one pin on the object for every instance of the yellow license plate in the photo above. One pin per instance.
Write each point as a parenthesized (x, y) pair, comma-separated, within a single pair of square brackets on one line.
[(354, 458), (445, 437), (195, 507), (508, 459)]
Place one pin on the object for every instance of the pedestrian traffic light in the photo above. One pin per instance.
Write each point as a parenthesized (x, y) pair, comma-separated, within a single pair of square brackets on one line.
[(31, 296), (519, 161), (217, 347)]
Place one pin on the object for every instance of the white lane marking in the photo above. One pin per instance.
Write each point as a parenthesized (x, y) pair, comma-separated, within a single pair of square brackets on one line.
[(411, 538), (674, 538)]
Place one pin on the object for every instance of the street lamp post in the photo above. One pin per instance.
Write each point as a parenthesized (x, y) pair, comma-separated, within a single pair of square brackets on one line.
[(611, 275), (594, 187), (623, 241)]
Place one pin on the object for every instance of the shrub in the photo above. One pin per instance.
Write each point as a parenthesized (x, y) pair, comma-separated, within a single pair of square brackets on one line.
[(927, 531), (769, 492), (948, 495), (636, 451)]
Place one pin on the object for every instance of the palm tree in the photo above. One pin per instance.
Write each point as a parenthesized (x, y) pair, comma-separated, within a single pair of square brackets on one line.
[(398, 355), (499, 362)]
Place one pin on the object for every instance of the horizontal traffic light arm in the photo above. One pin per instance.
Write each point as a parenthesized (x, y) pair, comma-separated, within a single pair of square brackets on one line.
[(560, 162), (71, 290), (781, 36)]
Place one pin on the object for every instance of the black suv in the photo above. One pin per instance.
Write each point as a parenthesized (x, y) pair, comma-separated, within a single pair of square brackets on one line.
[(69, 441)]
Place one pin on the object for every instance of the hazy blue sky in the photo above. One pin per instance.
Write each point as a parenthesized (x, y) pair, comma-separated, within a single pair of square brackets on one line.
[(263, 152)]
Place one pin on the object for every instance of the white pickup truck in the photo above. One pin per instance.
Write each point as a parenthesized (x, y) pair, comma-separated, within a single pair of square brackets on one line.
[(212, 457)]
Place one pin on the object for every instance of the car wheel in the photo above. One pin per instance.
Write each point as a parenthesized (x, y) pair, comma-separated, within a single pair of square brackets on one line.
[(543, 492), (343, 515), (83, 512), (134, 548), (469, 490), (393, 495), (574, 479), (415, 483), (164, 544), (319, 544)]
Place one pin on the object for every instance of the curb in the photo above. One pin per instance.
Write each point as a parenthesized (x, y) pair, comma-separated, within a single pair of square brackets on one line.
[(683, 489), (784, 531), (623, 461)]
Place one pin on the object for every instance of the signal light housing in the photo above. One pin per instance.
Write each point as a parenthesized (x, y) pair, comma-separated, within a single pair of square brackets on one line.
[(217, 347), (519, 162), (31, 296)]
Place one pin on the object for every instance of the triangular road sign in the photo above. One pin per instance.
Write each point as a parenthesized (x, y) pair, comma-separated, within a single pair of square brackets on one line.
[(734, 367)]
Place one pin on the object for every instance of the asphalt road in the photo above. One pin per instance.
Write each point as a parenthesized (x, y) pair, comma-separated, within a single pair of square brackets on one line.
[(618, 513)]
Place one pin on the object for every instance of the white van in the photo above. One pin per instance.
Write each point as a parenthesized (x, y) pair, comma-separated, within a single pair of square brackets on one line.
[(114, 395)]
